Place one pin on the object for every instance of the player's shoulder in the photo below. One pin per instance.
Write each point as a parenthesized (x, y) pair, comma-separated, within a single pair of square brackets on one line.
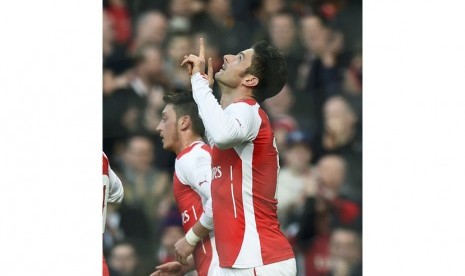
[(244, 105), (201, 151), (194, 160), (194, 152), (244, 109)]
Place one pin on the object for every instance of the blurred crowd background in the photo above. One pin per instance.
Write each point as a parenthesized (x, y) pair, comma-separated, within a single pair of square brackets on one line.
[(317, 120)]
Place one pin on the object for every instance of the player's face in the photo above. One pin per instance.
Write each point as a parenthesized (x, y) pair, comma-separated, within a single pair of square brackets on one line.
[(233, 67), (168, 128), (344, 246)]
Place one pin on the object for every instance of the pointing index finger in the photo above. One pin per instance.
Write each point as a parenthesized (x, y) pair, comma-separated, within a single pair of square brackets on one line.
[(202, 49)]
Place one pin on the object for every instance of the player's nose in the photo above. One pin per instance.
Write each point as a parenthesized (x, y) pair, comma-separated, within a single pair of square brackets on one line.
[(158, 128)]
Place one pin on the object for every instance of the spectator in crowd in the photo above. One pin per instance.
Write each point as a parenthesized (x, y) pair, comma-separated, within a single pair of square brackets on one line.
[(279, 110), (180, 13), (151, 28), (125, 107), (281, 104), (352, 85), (119, 13), (282, 31), (345, 252), (342, 136), (294, 176), (265, 10), (124, 260), (348, 19), (171, 232), (324, 209), (319, 74), (116, 63), (113, 232), (219, 25), (144, 184), (117, 74), (178, 45), (282, 126), (146, 196)]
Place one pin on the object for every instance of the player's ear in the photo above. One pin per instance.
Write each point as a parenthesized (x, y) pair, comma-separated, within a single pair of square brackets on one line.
[(250, 81), (184, 122)]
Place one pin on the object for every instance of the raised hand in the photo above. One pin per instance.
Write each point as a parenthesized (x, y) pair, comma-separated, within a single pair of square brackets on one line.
[(196, 63)]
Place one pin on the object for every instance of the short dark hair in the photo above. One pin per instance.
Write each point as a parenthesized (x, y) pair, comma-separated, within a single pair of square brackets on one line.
[(184, 104), (269, 66)]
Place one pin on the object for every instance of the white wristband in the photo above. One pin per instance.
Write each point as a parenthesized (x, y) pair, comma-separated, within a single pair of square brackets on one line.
[(192, 238)]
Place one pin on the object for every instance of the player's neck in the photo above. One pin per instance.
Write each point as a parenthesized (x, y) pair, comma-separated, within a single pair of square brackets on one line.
[(187, 140), (232, 95)]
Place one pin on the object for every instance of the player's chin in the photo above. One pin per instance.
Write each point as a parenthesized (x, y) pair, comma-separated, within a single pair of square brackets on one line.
[(167, 146)]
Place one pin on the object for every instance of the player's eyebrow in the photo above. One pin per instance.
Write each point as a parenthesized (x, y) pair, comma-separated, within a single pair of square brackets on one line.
[(242, 54)]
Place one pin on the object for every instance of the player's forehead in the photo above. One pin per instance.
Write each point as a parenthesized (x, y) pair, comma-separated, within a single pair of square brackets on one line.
[(247, 53), (168, 110)]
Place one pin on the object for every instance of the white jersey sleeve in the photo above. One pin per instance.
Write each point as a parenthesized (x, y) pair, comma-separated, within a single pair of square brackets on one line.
[(229, 127), (116, 191), (194, 169)]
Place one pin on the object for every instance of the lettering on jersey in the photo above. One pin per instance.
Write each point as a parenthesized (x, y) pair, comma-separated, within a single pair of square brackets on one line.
[(185, 217), (216, 172)]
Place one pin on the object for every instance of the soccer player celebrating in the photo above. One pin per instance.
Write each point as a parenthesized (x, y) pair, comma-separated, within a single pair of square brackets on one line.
[(112, 193), (181, 130), (244, 159)]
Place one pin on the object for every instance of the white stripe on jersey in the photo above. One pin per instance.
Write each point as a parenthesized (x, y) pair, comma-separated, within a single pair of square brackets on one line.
[(215, 263), (232, 192), (250, 254)]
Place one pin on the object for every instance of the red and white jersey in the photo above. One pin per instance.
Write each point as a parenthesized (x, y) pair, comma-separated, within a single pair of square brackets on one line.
[(112, 188), (191, 187), (244, 171)]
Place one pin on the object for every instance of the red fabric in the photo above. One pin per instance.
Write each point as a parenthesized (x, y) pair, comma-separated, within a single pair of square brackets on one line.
[(122, 23), (329, 11), (105, 272), (229, 225), (317, 257), (105, 164), (347, 211)]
